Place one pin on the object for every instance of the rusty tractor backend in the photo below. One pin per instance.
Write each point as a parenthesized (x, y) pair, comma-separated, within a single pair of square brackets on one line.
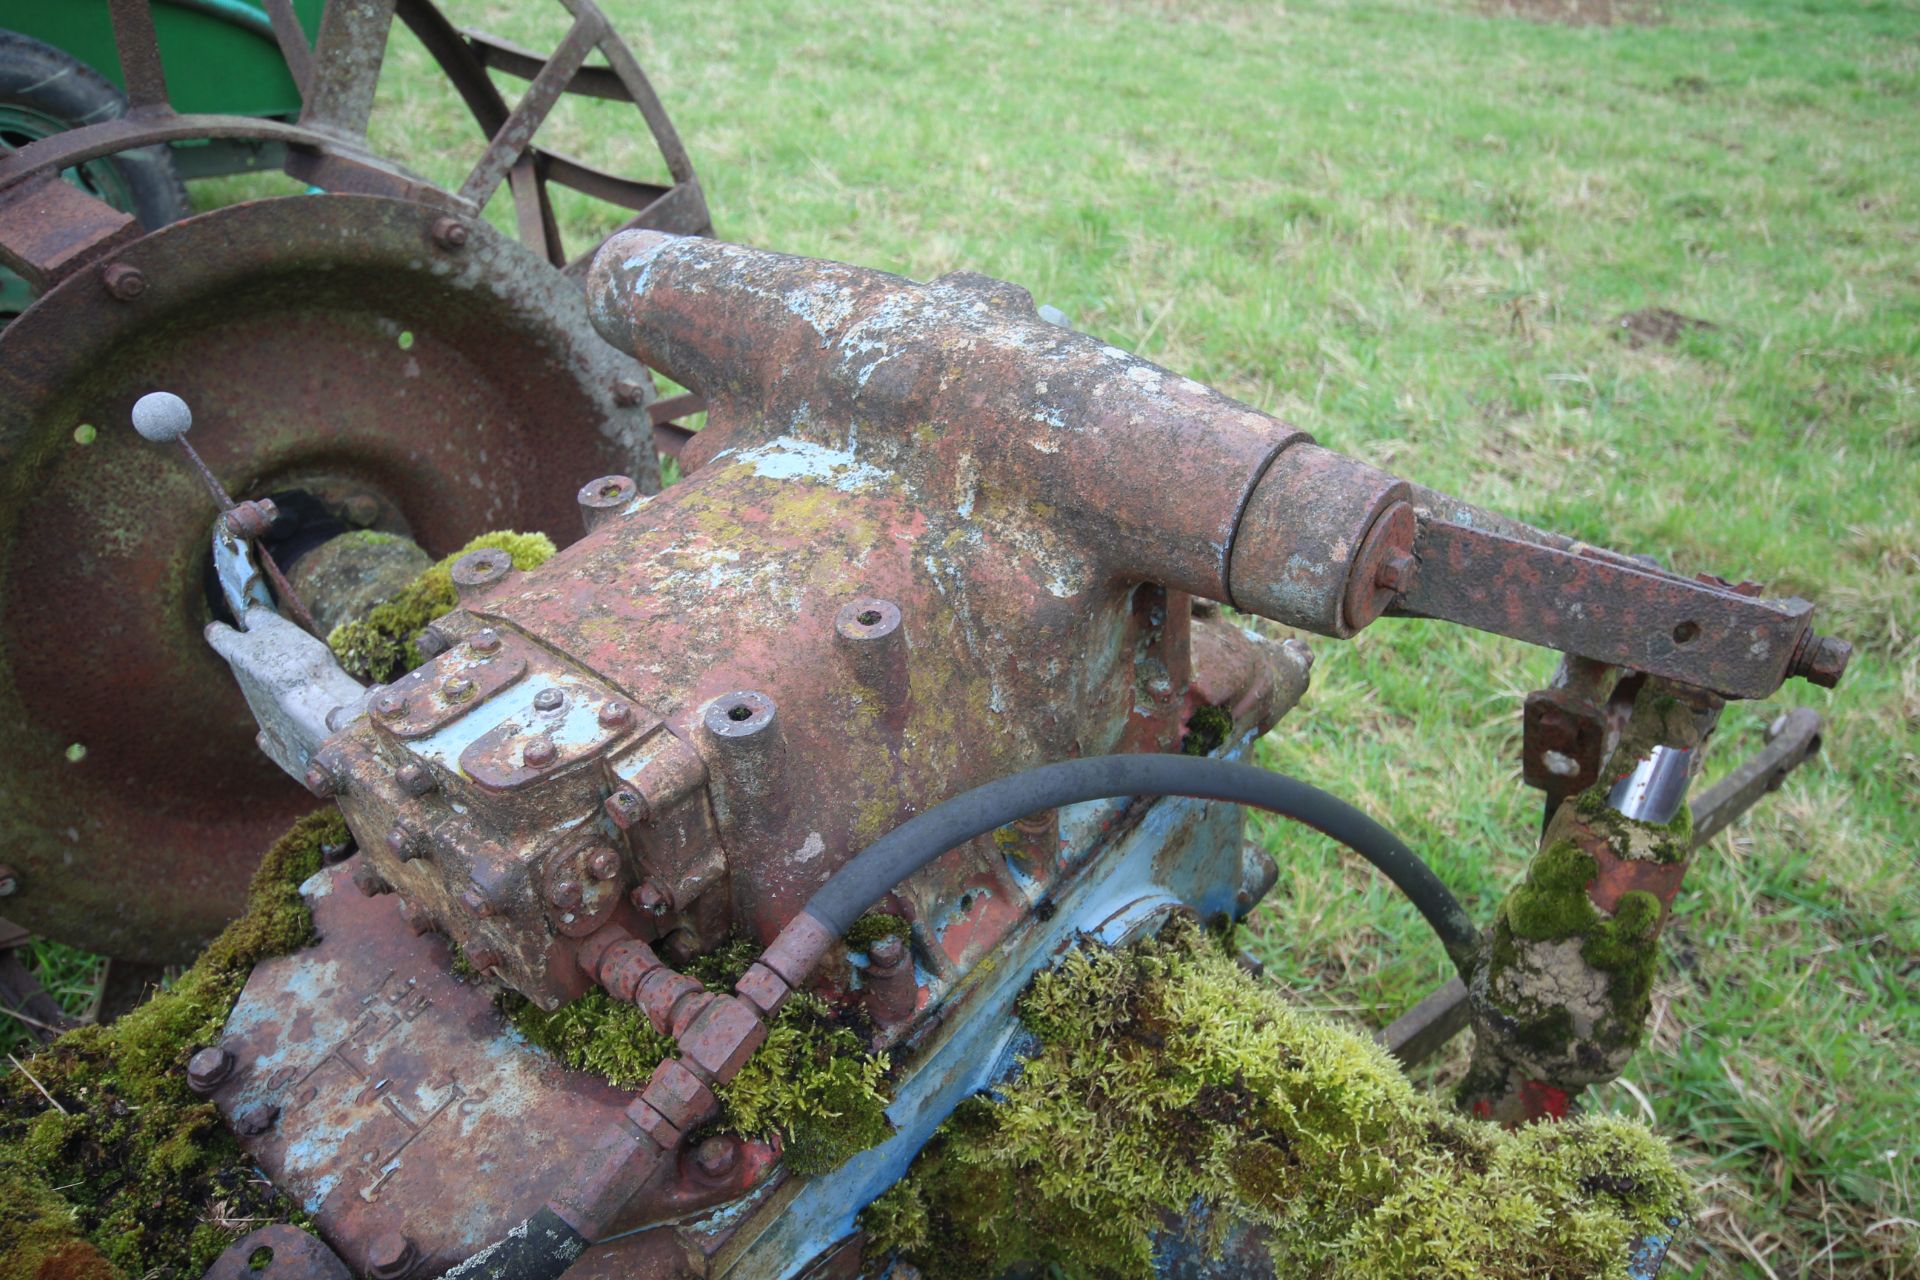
[(943, 658)]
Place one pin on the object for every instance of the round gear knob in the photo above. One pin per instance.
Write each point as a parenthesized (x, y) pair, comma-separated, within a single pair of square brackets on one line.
[(161, 416)]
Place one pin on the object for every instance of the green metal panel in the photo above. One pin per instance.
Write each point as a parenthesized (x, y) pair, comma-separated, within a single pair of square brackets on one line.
[(220, 55)]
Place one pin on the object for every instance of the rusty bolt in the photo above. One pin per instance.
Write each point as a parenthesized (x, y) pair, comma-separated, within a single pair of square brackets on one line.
[(392, 1255), (615, 714), (9, 881), (450, 233), (717, 1157), (652, 898), (124, 282), (476, 903), (1396, 572), (208, 1069), (1820, 660), (603, 863), (539, 753), (255, 1119), (369, 882), (483, 957), (431, 643), (485, 642), (887, 952), (415, 779), (321, 782), (626, 808), (628, 392), (549, 700), (390, 705), (250, 520), (404, 841), (457, 688), (566, 894)]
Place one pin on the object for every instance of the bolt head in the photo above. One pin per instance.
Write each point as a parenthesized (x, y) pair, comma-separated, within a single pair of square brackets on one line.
[(888, 951), (549, 700), (566, 894), (652, 899), (457, 688), (208, 1069), (1395, 572), (415, 916), (717, 1157), (415, 779), (161, 416), (539, 753), (250, 520), (1824, 661), (124, 281), (431, 643), (391, 1256), (483, 958), (625, 808), (476, 903), (485, 642), (628, 392), (450, 233), (616, 715), (321, 782), (404, 841), (390, 705), (603, 863)]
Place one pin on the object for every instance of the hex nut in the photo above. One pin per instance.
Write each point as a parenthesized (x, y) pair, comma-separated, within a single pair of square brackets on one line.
[(415, 778), (549, 700), (392, 1255), (626, 808), (539, 753), (616, 714), (717, 1157), (485, 642), (208, 1069)]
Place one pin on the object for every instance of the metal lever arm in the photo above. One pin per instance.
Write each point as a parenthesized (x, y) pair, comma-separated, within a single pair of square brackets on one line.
[(1693, 632)]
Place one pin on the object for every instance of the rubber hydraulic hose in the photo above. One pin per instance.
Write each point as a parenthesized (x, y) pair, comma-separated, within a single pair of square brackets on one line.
[(875, 870)]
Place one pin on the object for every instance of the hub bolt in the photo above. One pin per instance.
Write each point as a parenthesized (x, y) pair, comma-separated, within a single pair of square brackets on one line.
[(539, 753), (125, 282)]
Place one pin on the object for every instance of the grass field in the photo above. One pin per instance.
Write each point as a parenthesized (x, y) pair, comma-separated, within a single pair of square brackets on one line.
[(1411, 229)]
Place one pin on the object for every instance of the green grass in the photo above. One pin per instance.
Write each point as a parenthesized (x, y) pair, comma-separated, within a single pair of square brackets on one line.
[(1409, 227)]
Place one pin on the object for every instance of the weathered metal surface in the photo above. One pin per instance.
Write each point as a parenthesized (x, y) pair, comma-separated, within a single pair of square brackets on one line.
[(1693, 632), (319, 341), (391, 1099), (278, 1252), (50, 228)]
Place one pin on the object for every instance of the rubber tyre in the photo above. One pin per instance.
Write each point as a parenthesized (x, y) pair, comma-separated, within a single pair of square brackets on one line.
[(43, 79)]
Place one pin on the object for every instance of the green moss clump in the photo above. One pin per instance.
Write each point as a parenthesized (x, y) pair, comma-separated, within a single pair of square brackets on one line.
[(1207, 728), (383, 645), (873, 926), (595, 1033), (150, 1182), (814, 1083), (1167, 1078)]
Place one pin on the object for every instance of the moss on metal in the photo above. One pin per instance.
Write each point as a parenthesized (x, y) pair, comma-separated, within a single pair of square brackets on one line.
[(873, 926), (1168, 1079), (117, 1168), (814, 1084), (383, 645), (1207, 729)]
